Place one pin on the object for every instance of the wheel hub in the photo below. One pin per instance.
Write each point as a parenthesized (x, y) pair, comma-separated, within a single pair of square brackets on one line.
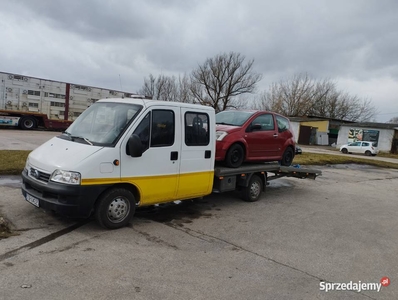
[(255, 189), (118, 209)]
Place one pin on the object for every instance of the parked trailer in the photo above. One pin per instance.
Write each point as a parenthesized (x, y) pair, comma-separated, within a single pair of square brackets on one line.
[(29, 102), (31, 120)]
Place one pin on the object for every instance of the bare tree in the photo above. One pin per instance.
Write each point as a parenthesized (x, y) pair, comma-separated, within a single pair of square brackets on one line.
[(160, 88), (184, 89), (168, 88), (218, 80), (290, 97), (393, 120), (302, 96), (149, 87)]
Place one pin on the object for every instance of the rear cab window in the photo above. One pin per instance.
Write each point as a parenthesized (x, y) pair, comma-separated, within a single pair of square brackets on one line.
[(196, 129)]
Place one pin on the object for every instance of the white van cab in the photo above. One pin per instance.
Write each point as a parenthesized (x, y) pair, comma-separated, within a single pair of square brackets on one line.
[(123, 153)]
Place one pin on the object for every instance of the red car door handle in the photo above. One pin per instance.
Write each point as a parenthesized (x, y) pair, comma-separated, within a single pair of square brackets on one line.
[(275, 135)]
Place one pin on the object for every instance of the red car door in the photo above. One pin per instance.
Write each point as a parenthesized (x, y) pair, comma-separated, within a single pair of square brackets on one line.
[(284, 133), (261, 137)]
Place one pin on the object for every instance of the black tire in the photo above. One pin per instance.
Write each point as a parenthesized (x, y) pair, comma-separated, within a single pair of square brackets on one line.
[(368, 153), (252, 192), (115, 208), (287, 157), (344, 150), (235, 156), (27, 123)]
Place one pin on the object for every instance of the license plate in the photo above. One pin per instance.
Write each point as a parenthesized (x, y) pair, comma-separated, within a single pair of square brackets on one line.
[(32, 200)]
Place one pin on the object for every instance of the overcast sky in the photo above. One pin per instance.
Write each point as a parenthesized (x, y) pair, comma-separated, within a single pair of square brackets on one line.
[(111, 44)]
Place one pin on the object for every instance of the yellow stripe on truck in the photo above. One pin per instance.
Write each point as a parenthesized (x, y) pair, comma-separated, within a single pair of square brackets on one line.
[(195, 184), (157, 189)]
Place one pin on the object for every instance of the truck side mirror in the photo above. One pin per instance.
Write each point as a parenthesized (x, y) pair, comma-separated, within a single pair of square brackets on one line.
[(134, 146)]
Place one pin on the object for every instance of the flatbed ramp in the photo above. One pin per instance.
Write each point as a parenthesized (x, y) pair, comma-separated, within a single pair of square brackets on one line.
[(275, 168), (251, 179)]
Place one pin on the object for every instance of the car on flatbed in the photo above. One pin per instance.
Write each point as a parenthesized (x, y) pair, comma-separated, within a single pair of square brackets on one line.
[(253, 136)]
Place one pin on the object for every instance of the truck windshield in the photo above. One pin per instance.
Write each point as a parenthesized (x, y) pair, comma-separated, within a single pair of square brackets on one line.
[(102, 123), (235, 118)]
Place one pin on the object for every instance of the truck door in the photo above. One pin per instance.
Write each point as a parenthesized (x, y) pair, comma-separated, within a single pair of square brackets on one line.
[(197, 155), (156, 172)]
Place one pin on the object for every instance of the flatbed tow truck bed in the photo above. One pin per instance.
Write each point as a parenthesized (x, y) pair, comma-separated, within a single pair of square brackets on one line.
[(250, 177)]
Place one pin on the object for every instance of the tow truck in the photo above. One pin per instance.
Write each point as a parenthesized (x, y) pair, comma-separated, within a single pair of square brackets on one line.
[(120, 154)]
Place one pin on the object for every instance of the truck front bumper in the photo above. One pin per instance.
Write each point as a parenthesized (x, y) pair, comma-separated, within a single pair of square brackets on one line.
[(74, 201)]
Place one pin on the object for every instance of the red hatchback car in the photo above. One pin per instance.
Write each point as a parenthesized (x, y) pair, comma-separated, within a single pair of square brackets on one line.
[(253, 136)]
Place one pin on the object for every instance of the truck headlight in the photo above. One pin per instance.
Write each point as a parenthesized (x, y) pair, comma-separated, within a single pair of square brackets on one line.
[(67, 177), (220, 135), (27, 165)]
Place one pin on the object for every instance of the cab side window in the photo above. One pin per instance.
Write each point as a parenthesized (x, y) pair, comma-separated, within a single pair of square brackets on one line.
[(143, 131), (196, 129), (156, 129), (163, 128)]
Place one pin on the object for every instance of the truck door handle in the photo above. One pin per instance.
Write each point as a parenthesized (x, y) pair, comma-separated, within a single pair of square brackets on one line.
[(207, 153), (174, 155), (275, 135)]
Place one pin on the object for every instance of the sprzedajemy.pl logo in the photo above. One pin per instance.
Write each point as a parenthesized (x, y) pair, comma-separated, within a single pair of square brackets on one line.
[(354, 286)]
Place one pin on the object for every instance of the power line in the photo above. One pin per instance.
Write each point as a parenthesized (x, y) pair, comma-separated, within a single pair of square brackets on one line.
[(393, 113)]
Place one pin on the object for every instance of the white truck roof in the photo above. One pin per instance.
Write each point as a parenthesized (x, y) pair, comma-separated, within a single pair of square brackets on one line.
[(148, 103)]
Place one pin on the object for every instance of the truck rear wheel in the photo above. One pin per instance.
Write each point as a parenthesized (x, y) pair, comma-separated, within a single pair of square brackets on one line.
[(115, 208), (252, 192), (27, 122)]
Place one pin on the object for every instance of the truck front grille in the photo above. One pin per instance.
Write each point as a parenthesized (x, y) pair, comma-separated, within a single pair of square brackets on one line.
[(39, 175)]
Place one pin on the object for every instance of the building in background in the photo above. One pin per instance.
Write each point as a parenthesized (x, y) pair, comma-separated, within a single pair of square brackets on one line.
[(26, 98), (312, 130), (384, 134)]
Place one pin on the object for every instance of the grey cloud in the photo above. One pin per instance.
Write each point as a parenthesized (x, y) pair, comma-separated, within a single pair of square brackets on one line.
[(95, 41)]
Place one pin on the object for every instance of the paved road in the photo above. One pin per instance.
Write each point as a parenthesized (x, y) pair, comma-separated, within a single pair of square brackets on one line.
[(14, 139), (340, 227)]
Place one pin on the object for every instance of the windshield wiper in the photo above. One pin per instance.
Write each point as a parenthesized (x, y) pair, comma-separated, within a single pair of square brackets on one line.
[(73, 137), (223, 123), (68, 134), (82, 138)]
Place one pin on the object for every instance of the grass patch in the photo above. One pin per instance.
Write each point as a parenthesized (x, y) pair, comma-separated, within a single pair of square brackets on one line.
[(5, 230), (330, 159), (389, 155), (12, 162)]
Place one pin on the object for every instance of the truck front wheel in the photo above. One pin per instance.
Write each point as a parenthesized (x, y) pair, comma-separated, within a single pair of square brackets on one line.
[(115, 208), (252, 192), (27, 122)]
